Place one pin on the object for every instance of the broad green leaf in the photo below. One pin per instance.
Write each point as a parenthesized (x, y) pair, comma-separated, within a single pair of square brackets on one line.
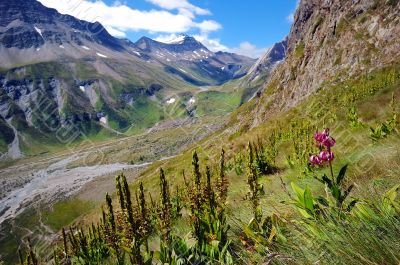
[(308, 199), (389, 199), (365, 212), (342, 174), (336, 192), (299, 192), (179, 245), (305, 213), (392, 193)]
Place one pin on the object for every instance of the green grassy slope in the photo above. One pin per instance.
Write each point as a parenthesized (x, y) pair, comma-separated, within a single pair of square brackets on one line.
[(349, 109)]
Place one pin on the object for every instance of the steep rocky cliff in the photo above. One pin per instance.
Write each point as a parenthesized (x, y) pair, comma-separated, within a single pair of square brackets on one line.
[(330, 41)]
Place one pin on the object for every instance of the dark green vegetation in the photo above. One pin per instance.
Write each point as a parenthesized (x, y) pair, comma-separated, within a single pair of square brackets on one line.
[(40, 222), (7, 135), (65, 212)]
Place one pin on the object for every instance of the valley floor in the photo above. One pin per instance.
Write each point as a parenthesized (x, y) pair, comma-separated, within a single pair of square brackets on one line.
[(36, 185)]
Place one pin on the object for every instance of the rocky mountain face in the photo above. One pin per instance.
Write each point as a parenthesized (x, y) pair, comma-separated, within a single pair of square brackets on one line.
[(31, 32), (193, 58), (183, 43), (331, 41), (61, 76), (268, 61)]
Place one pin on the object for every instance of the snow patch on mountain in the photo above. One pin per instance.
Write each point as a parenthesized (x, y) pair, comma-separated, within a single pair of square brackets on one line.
[(103, 120), (171, 100), (101, 55), (178, 40), (38, 30)]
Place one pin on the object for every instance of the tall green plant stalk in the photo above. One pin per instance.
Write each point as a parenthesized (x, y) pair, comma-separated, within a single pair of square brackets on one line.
[(165, 219), (146, 226), (165, 212), (65, 243), (222, 184), (196, 198), (111, 232), (254, 186), (209, 192), (136, 256), (196, 171), (120, 192), (32, 257)]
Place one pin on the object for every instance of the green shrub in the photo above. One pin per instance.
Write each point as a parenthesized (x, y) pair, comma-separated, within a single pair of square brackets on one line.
[(299, 50)]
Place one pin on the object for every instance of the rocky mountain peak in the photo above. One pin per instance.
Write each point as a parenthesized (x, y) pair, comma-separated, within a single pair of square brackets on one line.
[(181, 39), (29, 24), (182, 43)]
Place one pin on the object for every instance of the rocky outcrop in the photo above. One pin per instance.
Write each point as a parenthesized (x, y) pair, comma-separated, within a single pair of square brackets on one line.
[(329, 38)]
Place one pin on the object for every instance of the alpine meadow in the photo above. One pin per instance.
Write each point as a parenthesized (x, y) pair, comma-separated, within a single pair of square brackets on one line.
[(161, 132)]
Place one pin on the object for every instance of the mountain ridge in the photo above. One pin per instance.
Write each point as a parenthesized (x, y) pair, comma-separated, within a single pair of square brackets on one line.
[(92, 80)]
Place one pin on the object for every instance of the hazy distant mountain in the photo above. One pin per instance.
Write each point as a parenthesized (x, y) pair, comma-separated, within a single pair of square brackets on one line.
[(269, 60)]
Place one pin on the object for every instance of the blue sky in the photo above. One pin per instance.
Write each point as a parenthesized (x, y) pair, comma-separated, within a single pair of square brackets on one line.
[(246, 27)]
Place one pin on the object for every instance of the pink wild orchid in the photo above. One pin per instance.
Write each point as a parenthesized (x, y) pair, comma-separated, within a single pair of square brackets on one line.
[(315, 160), (329, 142), (326, 156), (325, 142)]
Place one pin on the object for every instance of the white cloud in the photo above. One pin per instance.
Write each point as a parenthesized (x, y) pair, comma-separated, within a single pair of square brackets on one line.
[(290, 18), (250, 50), (245, 48), (214, 45), (166, 38), (120, 18), (209, 25), (182, 5), (119, 2), (115, 32)]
